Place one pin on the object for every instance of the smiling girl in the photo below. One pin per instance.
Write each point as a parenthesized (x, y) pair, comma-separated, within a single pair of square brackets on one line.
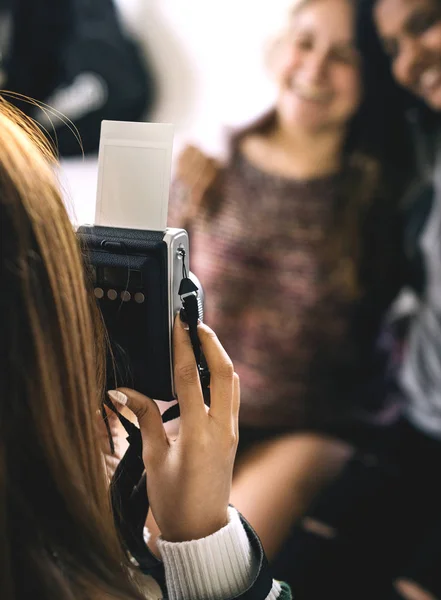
[(295, 241)]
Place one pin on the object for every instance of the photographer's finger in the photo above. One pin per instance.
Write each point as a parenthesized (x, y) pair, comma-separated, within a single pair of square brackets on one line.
[(221, 373), (186, 374), (148, 415)]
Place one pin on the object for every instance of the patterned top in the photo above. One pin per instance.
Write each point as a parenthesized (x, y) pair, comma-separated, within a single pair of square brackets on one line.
[(272, 294)]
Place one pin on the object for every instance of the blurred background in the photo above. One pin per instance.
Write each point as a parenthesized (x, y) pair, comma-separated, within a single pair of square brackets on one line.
[(205, 61), (205, 56), (336, 386)]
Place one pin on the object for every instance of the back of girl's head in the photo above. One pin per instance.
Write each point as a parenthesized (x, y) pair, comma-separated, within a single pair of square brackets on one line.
[(57, 536)]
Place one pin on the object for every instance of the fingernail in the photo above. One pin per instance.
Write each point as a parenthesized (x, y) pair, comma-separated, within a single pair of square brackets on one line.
[(117, 396), (183, 318)]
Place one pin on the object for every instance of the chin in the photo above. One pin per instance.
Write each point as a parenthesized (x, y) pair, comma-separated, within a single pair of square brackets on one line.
[(433, 100), (305, 123), (303, 116)]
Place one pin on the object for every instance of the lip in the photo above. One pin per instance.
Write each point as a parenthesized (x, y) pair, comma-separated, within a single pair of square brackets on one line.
[(309, 94)]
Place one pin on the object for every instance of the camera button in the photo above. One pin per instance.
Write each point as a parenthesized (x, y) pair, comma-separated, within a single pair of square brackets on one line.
[(112, 294), (113, 246), (139, 297), (99, 293), (126, 296)]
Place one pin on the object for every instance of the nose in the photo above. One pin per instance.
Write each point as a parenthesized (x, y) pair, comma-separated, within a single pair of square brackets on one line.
[(407, 65), (315, 67)]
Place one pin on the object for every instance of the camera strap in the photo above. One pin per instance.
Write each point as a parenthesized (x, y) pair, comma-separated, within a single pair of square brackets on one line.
[(130, 503), (189, 313), (128, 488)]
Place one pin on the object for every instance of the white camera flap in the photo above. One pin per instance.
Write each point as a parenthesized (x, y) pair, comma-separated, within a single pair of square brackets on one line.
[(134, 170)]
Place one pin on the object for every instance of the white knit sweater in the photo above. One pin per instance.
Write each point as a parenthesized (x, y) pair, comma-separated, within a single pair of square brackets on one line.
[(219, 566)]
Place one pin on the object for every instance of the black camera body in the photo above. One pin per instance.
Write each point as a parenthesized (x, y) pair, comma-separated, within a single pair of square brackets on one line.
[(136, 276), (137, 264)]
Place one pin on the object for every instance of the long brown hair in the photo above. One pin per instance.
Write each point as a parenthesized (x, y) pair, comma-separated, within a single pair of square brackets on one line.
[(58, 539)]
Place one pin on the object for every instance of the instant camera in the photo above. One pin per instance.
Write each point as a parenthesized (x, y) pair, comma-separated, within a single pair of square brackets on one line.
[(139, 268), (140, 278)]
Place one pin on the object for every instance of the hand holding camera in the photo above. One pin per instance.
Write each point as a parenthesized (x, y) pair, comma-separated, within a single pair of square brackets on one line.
[(139, 271), (189, 479)]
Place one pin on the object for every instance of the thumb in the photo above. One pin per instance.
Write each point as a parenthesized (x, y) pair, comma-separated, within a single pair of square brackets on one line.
[(148, 415)]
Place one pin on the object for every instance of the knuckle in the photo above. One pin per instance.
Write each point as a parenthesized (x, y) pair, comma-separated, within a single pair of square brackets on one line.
[(142, 411), (224, 370), (206, 332), (187, 373), (230, 440), (233, 438)]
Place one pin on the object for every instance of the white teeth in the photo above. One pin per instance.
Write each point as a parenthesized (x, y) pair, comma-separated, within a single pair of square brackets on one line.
[(309, 93)]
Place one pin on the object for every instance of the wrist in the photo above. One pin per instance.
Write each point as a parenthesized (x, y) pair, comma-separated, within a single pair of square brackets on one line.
[(187, 531)]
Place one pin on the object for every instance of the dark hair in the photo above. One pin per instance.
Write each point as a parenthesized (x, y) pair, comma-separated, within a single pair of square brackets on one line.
[(58, 539), (391, 103)]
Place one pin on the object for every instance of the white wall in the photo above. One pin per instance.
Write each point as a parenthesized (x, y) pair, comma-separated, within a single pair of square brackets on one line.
[(208, 56), (208, 59)]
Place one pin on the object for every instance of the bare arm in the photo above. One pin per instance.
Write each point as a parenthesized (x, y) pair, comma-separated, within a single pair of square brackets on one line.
[(276, 480)]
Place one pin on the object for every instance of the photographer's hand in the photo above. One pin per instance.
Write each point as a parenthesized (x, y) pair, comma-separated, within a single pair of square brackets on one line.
[(189, 479)]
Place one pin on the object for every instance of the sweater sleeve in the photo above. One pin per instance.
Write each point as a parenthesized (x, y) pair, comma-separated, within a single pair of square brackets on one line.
[(223, 565)]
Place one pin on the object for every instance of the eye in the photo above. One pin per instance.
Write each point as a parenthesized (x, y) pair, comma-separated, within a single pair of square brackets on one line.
[(345, 55), (422, 21), (303, 42), (416, 25)]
